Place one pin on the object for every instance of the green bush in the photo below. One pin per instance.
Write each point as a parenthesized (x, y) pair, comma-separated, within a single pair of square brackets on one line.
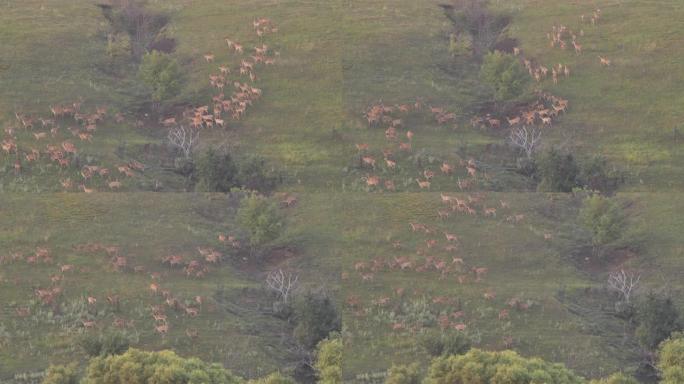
[(604, 219), (328, 363), (255, 175), (111, 343), (316, 317), (557, 171), (216, 172), (507, 77), (404, 374), (164, 367), (61, 374), (616, 378), (671, 359), (273, 378), (505, 367), (161, 74), (261, 218), (597, 175), (440, 344), (657, 317)]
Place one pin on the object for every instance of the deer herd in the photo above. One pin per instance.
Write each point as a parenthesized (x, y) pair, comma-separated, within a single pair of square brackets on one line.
[(47, 146), (167, 301), (243, 95)]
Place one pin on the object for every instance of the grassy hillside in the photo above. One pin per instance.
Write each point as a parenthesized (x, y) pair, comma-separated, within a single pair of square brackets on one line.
[(335, 60)]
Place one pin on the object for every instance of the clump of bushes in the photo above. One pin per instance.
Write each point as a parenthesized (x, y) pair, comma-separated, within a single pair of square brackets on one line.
[(111, 343), (316, 317), (450, 343), (217, 171), (506, 76), (558, 171)]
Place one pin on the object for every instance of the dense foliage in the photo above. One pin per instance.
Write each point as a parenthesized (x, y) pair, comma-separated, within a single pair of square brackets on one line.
[(161, 74), (216, 172), (328, 363), (61, 374), (616, 378), (404, 374), (505, 367), (557, 171), (163, 367), (316, 316), (671, 359), (506, 76), (604, 219), (657, 317), (261, 218), (450, 343)]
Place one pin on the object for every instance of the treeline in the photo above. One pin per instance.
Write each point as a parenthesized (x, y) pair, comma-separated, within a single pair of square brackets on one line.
[(473, 367)]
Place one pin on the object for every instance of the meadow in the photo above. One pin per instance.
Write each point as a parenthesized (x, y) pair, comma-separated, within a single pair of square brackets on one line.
[(336, 59)]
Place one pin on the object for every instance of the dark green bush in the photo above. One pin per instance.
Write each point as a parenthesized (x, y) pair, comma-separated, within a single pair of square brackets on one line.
[(439, 344), (316, 317), (216, 172)]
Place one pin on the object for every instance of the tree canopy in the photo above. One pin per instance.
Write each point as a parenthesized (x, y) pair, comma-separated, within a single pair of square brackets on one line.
[(505, 367), (671, 359), (161, 74), (261, 218), (329, 360), (505, 75), (164, 367)]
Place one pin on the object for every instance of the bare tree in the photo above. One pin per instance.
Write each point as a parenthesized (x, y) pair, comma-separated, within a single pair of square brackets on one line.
[(527, 138), (625, 283), (184, 138), (282, 283)]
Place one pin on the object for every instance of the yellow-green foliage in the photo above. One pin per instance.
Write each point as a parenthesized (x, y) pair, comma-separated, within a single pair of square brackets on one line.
[(404, 374), (329, 361), (505, 367), (61, 374), (164, 367), (671, 359), (273, 378), (616, 378)]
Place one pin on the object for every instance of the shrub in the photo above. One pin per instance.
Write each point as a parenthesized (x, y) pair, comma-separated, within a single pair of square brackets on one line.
[(671, 359), (119, 46), (61, 374), (404, 374), (255, 175), (657, 317), (112, 343), (328, 363), (557, 171), (161, 74), (164, 367), (261, 218), (461, 44), (216, 172), (596, 175), (504, 73), (440, 344), (273, 378), (616, 378), (604, 219), (316, 317), (505, 367)]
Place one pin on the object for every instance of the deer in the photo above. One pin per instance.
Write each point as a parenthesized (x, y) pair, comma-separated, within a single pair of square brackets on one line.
[(578, 48), (162, 328), (423, 184), (209, 57), (604, 61), (490, 212), (450, 237)]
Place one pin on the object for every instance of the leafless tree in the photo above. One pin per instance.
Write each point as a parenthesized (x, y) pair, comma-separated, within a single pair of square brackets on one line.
[(527, 138), (625, 283), (184, 138), (282, 283)]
